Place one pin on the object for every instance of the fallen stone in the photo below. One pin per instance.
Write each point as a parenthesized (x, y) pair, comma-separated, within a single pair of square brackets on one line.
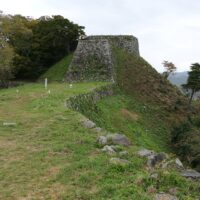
[(153, 160), (119, 161), (173, 191), (178, 163), (190, 173), (164, 196), (108, 149), (154, 176), (123, 153), (88, 124), (119, 139), (9, 124), (97, 129), (173, 164), (145, 153), (102, 140), (151, 190)]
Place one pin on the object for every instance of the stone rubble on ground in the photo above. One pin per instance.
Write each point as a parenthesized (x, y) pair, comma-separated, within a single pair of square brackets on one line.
[(108, 149), (109, 143), (123, 153), (164, 196), (97, 130), (145, 153), (115, 139), (155, 159), (102, 140), (178, 163), (173, 191), (154, 176), (9, 124), (173, 164), (118, 139), (190, 173), (88, 124), (119, 161)]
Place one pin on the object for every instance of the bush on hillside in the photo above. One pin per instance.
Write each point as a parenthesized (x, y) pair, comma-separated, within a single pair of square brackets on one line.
[(186, 140)]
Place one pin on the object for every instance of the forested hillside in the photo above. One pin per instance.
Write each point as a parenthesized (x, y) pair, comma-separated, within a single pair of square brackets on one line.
[(28, 46)]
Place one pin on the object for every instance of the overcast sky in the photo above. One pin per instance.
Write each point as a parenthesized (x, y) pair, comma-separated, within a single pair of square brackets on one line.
[(166, 29)]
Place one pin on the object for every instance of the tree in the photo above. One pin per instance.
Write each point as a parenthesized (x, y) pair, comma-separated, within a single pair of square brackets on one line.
[(193, 82), (169, 67), (6, 55), (53, 38), (6, 67), (37, 43)]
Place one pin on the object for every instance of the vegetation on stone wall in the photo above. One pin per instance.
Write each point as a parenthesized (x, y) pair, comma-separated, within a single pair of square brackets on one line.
[(86, 103), (94, 69)]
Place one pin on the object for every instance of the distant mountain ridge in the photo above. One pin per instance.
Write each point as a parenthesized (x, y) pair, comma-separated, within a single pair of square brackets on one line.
[(178, 78)]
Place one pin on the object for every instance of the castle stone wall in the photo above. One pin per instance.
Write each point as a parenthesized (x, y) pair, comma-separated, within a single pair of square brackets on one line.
[(93, 58)]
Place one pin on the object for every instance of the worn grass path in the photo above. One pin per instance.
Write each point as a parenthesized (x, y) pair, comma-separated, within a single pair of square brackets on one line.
[(45, 140)]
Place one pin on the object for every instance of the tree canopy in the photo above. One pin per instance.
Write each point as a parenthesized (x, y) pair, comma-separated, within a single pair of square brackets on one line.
[(170, 68), (193, 82), (35, 44)]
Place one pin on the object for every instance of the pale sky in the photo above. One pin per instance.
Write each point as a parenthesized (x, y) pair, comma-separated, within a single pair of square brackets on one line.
[(166, 29)]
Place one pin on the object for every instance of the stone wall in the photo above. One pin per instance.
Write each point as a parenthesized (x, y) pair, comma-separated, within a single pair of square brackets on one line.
[(93, 57), (87, 102)]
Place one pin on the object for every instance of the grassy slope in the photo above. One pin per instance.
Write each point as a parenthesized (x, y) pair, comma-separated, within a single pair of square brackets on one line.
[(57, 71), (49, 155), (146, 106)]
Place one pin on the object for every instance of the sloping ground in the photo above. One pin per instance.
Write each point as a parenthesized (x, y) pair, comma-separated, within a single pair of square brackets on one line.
[(58, 71), (48, 154), (138, 79)]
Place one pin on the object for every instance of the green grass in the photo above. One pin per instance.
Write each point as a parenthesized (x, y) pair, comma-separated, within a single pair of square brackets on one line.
[(58, 71), (140, 122), (49, 155)]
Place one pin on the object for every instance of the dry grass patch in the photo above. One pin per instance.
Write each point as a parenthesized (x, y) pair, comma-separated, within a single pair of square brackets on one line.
[(129, 115)]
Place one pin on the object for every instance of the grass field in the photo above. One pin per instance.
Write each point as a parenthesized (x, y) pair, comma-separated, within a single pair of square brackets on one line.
[(49, 155)]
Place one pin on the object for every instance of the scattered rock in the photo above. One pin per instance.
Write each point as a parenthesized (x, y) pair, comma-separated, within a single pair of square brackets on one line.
[(155, 159), (154, 176), (102, 140), (88, 124), (151, 190), (97, 129), (161, 156), (173, 191), (118, 161), (178, 163), (119, 139), (108, 149), (9, 124), (190, 173), (123, 153), (164, 196), (145, 153), (173, 164)]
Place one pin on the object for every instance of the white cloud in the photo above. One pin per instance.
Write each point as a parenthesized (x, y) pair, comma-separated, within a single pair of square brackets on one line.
[(167, 29)]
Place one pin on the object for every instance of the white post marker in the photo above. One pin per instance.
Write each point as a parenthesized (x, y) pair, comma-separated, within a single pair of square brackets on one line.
[(70, 86), (45, 83)]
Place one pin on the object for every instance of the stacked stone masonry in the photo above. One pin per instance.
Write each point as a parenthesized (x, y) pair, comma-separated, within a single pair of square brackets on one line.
[(93, 59)]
